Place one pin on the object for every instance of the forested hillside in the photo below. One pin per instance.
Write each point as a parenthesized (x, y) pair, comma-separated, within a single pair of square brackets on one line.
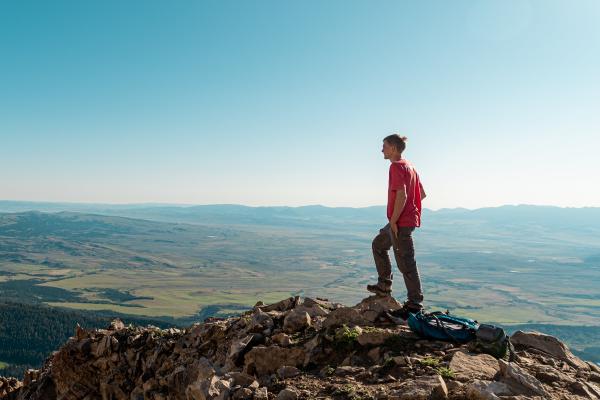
[(29, 332)]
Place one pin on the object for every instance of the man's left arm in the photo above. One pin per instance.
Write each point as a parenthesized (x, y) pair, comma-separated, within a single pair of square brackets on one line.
[(398, 208)]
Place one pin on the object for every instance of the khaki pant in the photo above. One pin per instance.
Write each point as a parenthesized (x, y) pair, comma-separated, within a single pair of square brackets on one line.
[(404, 253)]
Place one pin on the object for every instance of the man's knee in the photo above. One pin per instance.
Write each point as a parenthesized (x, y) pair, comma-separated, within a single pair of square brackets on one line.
[(381, 242)]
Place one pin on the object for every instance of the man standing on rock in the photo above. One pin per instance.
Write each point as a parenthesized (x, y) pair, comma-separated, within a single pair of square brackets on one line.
[(405, 193)]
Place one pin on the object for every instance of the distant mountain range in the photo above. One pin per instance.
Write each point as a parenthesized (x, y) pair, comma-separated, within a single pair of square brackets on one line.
[(316, 215)]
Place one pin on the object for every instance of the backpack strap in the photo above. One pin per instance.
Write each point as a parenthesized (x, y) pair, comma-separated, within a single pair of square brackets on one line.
[(446, 331)]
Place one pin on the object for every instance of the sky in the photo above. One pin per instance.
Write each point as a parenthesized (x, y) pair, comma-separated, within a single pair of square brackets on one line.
[(286, 103)]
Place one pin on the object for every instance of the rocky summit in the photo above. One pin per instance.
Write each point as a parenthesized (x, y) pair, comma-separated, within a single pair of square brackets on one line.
[(300, 348)]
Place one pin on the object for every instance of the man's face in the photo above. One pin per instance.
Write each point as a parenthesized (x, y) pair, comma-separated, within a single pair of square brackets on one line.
[(388, 150)]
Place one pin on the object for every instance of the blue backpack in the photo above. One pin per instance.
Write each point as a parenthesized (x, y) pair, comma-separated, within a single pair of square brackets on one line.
[(443, 326)]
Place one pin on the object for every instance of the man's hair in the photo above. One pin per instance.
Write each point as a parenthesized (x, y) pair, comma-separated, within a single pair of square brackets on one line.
[(399, 142)]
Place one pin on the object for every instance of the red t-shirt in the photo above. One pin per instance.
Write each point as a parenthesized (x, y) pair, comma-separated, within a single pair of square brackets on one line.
[(402, 174)]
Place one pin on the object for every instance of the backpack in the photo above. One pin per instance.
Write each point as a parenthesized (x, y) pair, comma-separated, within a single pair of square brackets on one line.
[(492, 340), (443, 326)]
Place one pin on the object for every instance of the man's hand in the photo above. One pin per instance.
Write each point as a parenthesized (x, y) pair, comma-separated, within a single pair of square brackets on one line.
[(394, 228)]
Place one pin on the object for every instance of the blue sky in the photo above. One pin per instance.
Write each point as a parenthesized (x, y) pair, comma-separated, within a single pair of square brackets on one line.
[(286, 103)]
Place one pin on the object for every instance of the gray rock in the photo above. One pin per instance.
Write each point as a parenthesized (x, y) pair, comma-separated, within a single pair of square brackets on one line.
[(241, 379), (344, 316), (422, 388), (266, 360), (287, 372), (243, 394), (467, 366), (375, 337), (516, 374), (260, 321), (288, 394), (202, 390), (261, 394), (282, 305), (486, 390), (372, 307), (548, 344), (296, 321), (348, 370), (281, 339)]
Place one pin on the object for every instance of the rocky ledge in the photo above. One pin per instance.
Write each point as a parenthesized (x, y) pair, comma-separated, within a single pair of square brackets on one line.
[(300, 348)]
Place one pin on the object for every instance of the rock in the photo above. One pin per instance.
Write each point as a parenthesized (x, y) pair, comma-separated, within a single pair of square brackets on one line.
[(518, 375), (287, 372), (296, 321), (287, 394), (312, 349), (585, 389), (422, 388), (593, 367), (314, 310), (372, 307), (240, 347), (548, 344), (202, 389), (454, 385), (486, 390), (548, 375), (375, 337), (281, 339), (266, 360), (468, 366), (282, 305), (241, 379), (116, 325), (261, 394), (260, 321), (402, 361), (348, 370), (375, 355), (594, 377), (203, 369), (344, 316), (243, 394)]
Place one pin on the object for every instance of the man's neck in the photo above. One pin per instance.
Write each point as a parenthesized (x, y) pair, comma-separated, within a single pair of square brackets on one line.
[(395, 158)]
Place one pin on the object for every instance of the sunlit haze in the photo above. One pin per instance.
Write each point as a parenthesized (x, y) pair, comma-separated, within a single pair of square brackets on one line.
[(286, 103)]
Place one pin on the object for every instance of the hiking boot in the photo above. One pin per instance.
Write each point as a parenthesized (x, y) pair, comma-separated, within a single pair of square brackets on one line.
[(378, 290), (405, 311)]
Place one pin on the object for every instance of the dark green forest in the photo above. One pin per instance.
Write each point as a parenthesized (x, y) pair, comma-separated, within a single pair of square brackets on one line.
[(29, 333)]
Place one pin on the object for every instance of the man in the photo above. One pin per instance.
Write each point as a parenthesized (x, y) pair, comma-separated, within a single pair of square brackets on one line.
[(405, 193)]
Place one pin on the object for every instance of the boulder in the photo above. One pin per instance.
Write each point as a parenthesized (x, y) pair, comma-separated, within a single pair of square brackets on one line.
[(375, 337), (266, 360), (260, 321), (281, 339), (548, 344), (287, 371), (202, 389), (344, 316), (261, 394), (288, 394), (283, 305), (486, 390), (372, 307), (296, 321), (423, 388), (347, 370), (467, 366), (515, 374)]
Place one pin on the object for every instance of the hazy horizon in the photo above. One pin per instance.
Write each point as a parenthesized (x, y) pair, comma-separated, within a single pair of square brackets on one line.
[(154, 204)]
